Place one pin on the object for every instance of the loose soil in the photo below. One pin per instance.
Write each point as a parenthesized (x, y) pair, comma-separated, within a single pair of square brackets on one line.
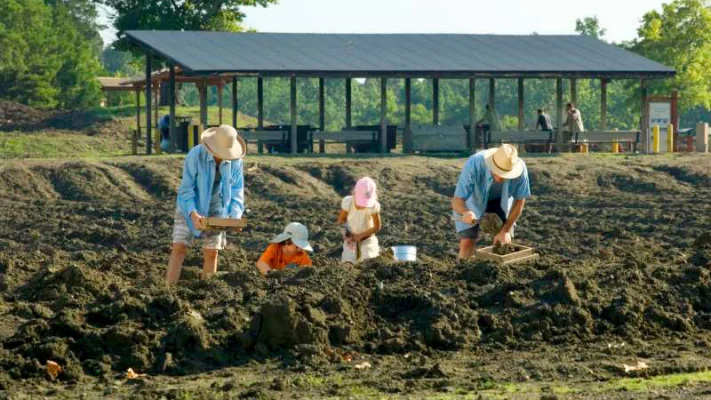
[(624, 276)]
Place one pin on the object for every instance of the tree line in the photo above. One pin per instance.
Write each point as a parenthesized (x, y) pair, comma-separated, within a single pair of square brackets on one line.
[(51, 53)]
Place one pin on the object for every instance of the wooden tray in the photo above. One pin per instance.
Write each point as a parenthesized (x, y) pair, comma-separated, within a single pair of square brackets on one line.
[(224, 224), (522, 254)]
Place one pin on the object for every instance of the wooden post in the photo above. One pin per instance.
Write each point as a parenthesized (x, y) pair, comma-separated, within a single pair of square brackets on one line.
[(603, 104), (407, 140), (559, 113), (689, 144), (260, 110), (520, 104), (472, 140), (492, 94), (156, 106), (234, 102), (171, 98), (220, 86), (349, 115), (435, 101), (383, 110), (643, 122), (138, 113), (321, 113), (149, 138), (134, 142), (675, 113), (702, 138), (292, 110), (574, 91), (202, 89)]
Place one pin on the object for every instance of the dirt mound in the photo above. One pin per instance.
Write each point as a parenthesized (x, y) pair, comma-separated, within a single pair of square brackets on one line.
[(620, 264), (15, 115)]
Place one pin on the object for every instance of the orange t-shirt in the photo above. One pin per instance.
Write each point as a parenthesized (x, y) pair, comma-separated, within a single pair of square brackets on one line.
[(276, 259)]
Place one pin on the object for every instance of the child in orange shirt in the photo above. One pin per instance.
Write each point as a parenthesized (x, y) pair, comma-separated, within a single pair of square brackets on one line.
[(287, 248)]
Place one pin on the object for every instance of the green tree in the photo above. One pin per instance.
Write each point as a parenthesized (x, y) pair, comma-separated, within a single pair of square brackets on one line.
[(679, 38), (590, 26), (196, 15)]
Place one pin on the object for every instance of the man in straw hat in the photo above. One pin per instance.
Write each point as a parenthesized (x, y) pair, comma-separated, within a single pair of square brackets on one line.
[(492, 181), (212, 186)]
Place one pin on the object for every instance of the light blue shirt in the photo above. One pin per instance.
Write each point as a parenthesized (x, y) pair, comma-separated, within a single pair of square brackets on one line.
[(195, 189), (475, 181)]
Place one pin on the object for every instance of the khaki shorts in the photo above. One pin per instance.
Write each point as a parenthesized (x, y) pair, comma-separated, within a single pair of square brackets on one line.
[(213, 240)]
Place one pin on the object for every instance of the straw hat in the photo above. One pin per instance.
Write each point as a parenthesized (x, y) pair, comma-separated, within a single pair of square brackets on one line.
[(298, 234), (224, 142), (504, 161)]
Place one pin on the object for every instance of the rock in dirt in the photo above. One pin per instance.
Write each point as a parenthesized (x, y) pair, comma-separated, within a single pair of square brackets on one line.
[(567, 293)]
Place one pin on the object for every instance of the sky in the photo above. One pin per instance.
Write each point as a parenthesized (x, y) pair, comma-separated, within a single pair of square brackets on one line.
[(621, 18)]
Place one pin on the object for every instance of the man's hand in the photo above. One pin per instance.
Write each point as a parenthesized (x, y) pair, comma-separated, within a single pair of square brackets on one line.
[(469, 217), (197, 220), (502, 238)]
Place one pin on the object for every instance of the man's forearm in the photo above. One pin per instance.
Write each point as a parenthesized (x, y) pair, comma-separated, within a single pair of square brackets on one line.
[(459, 205), (513, 215)]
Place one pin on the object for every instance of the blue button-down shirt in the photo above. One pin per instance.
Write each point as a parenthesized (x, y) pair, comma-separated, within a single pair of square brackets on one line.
[(475, 181), (195, 189)]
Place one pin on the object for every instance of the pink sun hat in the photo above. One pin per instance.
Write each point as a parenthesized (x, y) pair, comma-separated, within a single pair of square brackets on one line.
[(365, 192)]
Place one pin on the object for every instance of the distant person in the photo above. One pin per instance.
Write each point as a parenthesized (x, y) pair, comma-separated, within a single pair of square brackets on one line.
[(360, 215), (164, 127), (490, 122), (574, 121), (544, 121), (492, 181), (288, 248), (212, 186)]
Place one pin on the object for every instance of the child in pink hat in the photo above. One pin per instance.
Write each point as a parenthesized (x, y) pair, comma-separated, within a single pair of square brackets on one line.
[(361, 215)]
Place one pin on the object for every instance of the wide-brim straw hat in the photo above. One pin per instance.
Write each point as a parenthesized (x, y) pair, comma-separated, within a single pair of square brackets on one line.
[(224, 142), (297, 233), (504, 162)]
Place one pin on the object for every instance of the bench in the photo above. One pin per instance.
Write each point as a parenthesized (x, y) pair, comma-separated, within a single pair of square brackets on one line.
[(629, 137), (361, 140), (262, 138), (495, 138), (433, 138)]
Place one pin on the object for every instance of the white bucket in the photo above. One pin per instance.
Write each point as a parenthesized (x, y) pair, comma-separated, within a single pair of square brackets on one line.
[(404, 253)]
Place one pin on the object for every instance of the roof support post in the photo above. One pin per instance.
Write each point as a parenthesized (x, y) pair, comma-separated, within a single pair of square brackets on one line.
[(559, 113), (156, 106), (383, 110), (574, 91), (435, 101), (220, 87), (643, 126), (349, 121), (260, 110), (202, 89), (138, 113), (675, 114), (292, 110), (603, 104), (321, 113), (407, 140), (234, 102), (471, 139), (171, 99), (492, 94), (520, 104), (260, 102), (149, 139)]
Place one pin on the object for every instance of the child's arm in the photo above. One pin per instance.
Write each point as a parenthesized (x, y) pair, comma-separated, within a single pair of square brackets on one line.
[(372, 231), (263, 267), (342, 217)]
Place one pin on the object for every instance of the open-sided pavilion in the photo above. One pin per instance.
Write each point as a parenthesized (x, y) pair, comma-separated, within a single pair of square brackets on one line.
[(205, 57)]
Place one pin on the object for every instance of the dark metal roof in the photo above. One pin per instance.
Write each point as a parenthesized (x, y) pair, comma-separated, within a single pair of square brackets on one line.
[(385, 55)]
